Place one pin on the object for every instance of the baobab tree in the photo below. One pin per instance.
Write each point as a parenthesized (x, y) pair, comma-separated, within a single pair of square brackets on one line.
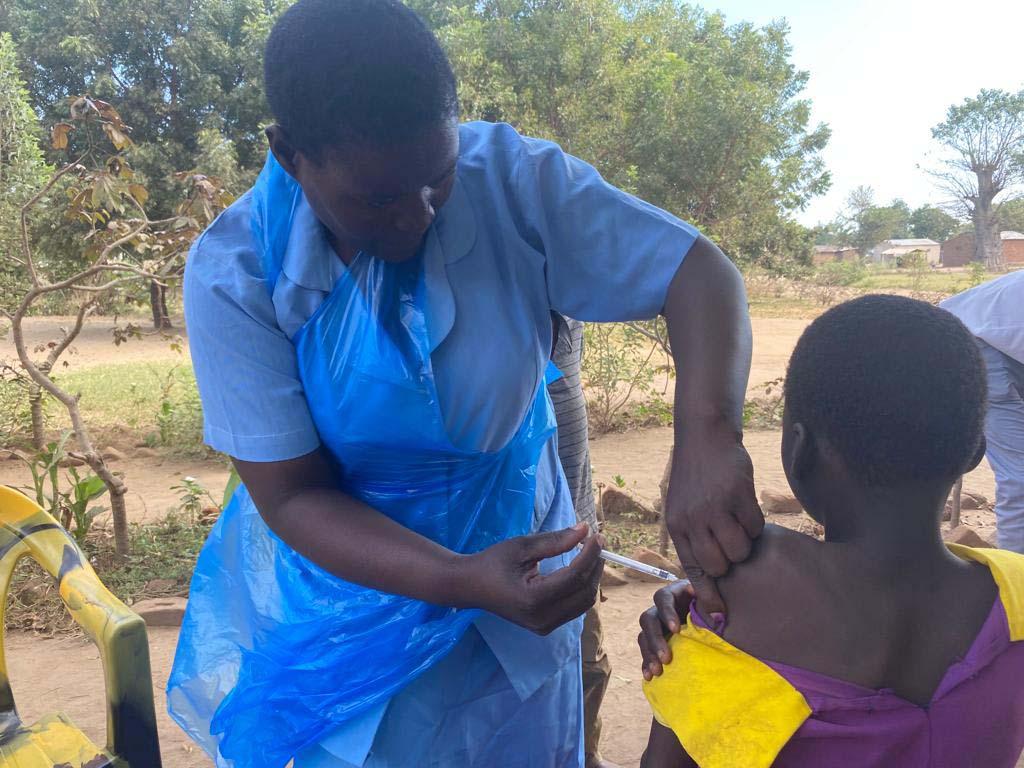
[(985, 139)]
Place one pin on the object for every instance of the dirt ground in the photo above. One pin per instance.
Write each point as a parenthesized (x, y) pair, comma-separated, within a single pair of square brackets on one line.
[(53, 674)]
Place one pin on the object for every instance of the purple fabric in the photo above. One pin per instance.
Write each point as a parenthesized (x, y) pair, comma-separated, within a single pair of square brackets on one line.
[(975, 718)]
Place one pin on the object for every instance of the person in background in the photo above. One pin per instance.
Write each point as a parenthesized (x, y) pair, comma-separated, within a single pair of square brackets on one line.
[(994, 313), (880, 646), (574, 453)]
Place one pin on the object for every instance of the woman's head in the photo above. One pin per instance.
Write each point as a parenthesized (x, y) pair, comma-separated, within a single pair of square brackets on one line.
[(366, 119), (883, 393)]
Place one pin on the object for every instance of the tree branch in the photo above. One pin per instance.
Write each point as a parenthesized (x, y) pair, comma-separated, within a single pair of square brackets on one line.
[(26, 245)]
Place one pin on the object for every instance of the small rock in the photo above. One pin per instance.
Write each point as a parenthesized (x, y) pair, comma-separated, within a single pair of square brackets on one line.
[(145, 453), (612, 577), (112, 454), (161, 611), (966, 536), (971, 500), (70, 461), (778, 503), (161, 585), (30, 595), (650, 557), (618, 504)]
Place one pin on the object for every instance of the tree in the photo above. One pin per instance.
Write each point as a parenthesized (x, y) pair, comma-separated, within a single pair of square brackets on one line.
[(1011, 215), (178, 69), (699, 117), (22, 169), (932, 223), (124, 246), (985, 139), (873, 224)]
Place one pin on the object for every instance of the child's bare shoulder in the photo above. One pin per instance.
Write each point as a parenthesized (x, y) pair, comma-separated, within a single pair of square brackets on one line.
[(776, 571)]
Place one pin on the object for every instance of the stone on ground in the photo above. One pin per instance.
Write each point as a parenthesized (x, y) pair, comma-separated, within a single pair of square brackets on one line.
[(966, 536), (779, 503), (618, 505), (650, 557), (971, 500), (612, 577), (112, 454), (161, 611)]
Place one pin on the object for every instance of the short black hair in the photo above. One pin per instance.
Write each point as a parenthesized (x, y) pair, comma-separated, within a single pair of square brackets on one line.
[(343, 71), (896, 387)]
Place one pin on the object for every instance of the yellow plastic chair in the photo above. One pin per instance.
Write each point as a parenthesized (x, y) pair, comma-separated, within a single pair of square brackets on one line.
[(54, 742)]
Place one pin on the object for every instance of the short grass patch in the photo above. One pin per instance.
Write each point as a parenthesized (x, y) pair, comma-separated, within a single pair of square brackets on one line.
[(928, 280), (155, 403)]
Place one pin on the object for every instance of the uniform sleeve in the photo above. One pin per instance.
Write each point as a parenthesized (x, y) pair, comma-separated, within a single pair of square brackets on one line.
[(609, 255), (254, 407)]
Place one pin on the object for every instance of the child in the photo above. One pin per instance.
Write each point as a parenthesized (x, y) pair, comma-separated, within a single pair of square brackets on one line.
[(880, 646)]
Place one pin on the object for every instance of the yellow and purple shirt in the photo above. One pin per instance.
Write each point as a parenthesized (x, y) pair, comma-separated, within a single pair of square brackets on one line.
[(730, 709)]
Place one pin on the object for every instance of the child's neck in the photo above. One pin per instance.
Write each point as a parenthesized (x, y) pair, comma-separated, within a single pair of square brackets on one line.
[(887, 532)]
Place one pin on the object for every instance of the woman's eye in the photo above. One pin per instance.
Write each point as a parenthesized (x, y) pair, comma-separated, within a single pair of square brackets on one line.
[(380, 203)]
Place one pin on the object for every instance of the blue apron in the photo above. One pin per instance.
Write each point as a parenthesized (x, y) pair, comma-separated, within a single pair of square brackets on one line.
[(275, 653)]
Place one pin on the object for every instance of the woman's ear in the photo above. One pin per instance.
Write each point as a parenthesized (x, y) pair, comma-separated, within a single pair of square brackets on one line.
[(284, 152)]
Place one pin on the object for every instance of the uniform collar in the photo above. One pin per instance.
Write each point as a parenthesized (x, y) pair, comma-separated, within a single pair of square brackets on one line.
[(310, 262)]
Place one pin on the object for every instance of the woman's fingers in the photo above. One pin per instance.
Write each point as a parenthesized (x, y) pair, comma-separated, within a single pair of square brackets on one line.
[(672, 604), (708, 597)]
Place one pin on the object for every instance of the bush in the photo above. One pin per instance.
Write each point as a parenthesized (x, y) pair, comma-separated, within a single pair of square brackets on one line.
[(830, 278), (619, 366), (15, 413), (765, 412)]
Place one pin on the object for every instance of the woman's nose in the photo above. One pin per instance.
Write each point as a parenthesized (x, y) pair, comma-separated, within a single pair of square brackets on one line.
[(416, 213)]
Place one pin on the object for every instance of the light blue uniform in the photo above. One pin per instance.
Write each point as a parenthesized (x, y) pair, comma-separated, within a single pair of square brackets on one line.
[(528, 230), (994, 313)]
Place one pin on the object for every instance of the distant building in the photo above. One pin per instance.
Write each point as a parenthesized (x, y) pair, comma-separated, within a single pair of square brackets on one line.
[(823, 254), (959, 251), (893, 251)]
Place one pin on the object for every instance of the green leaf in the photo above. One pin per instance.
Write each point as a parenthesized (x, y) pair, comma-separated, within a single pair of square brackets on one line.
[(233, 482)]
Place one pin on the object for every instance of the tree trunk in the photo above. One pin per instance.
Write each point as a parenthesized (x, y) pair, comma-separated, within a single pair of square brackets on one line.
[(115, 488), (35, 401), (988, 247), (122, 544), (158, 303), (663, 487), (955, 494)]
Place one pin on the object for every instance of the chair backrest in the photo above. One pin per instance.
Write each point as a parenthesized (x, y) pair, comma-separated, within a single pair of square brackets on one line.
[(26, 530)]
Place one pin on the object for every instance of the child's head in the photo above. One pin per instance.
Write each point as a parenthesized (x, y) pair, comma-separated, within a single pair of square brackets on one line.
[(883, 393)]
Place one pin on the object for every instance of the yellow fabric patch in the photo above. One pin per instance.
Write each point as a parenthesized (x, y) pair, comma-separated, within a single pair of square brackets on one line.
[(1008, 571), (727, 708)]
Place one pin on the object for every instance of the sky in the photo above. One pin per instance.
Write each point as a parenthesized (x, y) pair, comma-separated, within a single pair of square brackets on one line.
[(883, 73)]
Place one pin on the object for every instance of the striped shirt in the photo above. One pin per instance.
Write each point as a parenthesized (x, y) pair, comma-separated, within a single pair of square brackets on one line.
[(571, 415)]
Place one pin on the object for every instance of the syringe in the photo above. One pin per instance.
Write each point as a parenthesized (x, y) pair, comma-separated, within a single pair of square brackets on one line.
[(636, 565)]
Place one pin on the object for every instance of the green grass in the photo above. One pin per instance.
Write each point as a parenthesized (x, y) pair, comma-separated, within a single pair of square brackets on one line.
[(155, 402), (930, 280), (784, 306)]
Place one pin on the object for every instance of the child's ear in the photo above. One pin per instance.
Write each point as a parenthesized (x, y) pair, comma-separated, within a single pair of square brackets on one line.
[(799, 453), (978, 456)]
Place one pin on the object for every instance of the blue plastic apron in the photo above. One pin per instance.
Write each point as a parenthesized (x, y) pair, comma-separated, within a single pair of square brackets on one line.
[(275, 652)]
